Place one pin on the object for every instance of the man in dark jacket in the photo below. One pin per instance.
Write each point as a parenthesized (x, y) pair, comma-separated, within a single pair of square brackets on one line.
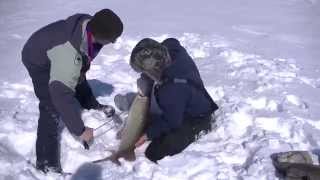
[(180, 106), (57, 57)]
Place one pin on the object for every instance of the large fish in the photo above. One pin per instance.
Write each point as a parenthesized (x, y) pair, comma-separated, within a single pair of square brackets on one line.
[(132, 130)]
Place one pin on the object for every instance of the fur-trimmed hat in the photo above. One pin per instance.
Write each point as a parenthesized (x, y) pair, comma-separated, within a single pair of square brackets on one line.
[(149, 54)]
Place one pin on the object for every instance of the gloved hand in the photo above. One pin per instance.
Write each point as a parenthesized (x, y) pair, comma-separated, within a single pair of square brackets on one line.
[(107, 109), (144, 84)]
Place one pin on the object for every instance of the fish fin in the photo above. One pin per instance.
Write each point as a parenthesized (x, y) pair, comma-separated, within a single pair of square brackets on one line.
[(101, 160), (119, 134), (114, 157), (115, 160), (129, 155)]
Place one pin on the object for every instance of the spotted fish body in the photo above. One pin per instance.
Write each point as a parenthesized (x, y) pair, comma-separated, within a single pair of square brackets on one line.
[(132, 130)]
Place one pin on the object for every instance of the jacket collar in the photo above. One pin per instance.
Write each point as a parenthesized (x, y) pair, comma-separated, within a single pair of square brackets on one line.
[(84, 40)]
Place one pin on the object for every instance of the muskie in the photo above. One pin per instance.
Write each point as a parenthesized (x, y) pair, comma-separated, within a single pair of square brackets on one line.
[(132, 131)]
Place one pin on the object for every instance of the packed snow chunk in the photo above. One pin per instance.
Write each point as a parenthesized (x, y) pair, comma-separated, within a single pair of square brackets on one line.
[(226, 173), (123, 77), (293, 99), (296, 101), (288, 75), (160, 38), (110, 59), (199, 53), (189, 38), (15, 90), (94, 118), (272, 124), (9, 94), (274, 106), (177, 167), (310, 81), (143, 169), (233, 154), (239, 122), (68, 140), (23, 142), (127, 44), (70, 163), (249, 74), (259, 103), (203, 175), (237, 58), (217, 93), (196, 47), (258, 172), (314, 123), (23, 87), (8, 125)]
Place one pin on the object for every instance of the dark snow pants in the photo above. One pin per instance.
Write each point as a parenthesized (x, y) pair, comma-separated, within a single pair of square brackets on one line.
[(177, 140), (48, 132)]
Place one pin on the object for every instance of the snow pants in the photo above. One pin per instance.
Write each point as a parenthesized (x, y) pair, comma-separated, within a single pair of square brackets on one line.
[(177, 140)]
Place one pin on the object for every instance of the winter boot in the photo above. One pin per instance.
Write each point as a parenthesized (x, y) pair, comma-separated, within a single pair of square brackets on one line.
[(123, 102), (45, 167)]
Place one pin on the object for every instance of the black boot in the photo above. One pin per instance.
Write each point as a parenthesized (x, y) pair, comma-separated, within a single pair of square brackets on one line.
[(45, 167), (123, 102)]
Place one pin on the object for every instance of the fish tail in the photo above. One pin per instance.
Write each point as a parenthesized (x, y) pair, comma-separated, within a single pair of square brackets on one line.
[(129, 155), (113, 158)]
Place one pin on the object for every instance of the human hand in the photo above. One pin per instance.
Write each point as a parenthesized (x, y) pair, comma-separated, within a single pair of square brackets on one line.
[(87, 135), (141, 140)]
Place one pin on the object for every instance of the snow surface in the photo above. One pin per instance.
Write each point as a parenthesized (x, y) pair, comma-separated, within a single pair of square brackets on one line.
[(258, 60)]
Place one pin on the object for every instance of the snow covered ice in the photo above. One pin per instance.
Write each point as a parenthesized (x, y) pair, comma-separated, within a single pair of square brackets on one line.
[(258, 59)]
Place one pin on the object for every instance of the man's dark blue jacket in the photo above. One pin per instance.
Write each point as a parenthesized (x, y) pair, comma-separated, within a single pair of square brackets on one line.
[(179, 101)]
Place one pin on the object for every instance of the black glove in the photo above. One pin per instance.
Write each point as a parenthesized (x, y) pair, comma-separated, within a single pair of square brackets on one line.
[(107, 109), (145, 85)]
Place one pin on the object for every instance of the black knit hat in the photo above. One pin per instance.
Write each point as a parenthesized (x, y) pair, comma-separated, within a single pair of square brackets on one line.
[(105, 24)]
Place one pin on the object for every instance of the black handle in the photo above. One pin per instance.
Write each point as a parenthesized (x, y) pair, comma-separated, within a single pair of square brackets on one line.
[(86, 145)]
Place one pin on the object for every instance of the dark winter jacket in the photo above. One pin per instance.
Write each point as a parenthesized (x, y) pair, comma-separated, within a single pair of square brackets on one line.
[(60, 49), (179, 101)]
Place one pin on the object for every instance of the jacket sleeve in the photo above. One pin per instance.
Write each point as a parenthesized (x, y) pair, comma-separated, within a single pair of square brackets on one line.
[(65, 69), (67, 106), (172, 100), (85, 96)]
